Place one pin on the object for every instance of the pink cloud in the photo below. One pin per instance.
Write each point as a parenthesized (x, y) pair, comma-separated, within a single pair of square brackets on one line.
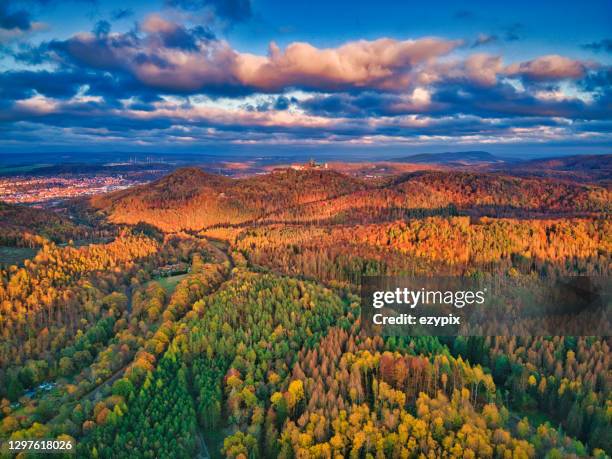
[(154, 23), (189, 71), (384, 63), (483, 68), (549, 67)]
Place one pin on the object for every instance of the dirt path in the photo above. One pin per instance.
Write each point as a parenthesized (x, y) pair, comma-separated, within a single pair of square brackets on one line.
[(203, 449)]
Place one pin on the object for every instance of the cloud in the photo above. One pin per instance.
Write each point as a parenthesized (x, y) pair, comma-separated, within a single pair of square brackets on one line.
[(29, 54), (599, 46), (172, 35), (549, 68), (598, 81), (121, 13), (25, 84), (173, 121), (167, 80), (11, 19), (385, 64), (484, 39), (173, 58), (51, 2), (505, 101), (15, 23), (513, 32), (458, 98), (170, 58), (369, 104), (283, 103), (481, 69), (170, 120), (230, 10), (15, 34), (101, 28), (98, 52)]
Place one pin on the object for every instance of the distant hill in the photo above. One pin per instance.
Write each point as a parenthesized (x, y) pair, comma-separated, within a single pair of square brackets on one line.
[(426, 193), (581, 168), (590, 168), (576, 162), (501, 194), (190, 198), (452, 158)]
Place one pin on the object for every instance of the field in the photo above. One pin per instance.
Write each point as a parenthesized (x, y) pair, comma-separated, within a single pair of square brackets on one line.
[(169, 283)]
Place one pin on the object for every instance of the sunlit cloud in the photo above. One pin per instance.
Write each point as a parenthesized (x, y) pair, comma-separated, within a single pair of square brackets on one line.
[(168, 81)]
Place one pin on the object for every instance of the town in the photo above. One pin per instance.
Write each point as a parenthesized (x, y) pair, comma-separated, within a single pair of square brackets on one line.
[(47, 190)]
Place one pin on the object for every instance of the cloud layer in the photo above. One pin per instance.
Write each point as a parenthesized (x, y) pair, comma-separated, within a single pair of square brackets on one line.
[(165, 82)]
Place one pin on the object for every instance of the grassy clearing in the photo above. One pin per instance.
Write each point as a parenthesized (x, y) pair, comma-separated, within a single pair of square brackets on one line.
[(536, 418), (170, 283), (15, 255)]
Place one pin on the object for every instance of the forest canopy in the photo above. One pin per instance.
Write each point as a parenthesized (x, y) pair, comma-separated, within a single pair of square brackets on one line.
[(203, 316)]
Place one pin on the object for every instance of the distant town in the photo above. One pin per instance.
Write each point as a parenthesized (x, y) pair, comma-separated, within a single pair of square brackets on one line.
[(46, 190), (49, 189)]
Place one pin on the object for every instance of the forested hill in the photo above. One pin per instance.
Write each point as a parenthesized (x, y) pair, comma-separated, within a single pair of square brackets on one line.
[(599, 163), (582, 168), (468, 189), (452, 158), (192, 199), (24, 226)]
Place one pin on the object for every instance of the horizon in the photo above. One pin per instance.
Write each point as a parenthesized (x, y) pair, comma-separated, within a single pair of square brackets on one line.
[(344, 81), (185, 159)]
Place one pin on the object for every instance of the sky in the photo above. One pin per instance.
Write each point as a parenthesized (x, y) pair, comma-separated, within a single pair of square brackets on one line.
[(378, 78)]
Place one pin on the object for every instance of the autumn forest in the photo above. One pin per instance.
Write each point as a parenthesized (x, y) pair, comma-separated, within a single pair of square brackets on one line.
[(206, 316)]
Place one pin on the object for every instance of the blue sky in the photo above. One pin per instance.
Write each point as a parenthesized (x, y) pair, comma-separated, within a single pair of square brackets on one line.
[(239, 75)]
